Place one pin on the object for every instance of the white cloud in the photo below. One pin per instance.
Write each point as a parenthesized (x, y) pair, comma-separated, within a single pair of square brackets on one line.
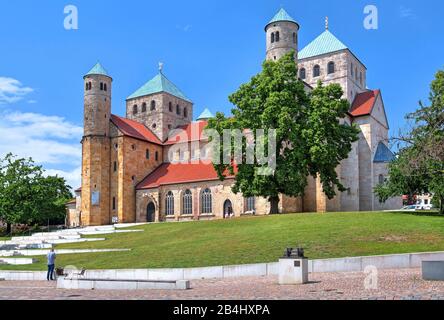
[(72, 177), (406, 13), (51, 141), (12, 90)]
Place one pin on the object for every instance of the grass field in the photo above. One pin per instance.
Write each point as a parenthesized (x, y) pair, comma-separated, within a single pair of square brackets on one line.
[(259, 239)]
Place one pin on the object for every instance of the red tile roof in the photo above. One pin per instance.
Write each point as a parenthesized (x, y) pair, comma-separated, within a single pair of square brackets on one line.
[(364, 102), (188, 133), (134, 129), (177, 173)]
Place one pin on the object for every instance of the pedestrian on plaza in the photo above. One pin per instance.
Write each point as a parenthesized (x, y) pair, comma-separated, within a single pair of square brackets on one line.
[(51, 257)]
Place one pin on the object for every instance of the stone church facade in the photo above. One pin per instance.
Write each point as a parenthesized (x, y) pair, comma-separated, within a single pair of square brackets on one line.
[(153, 164)]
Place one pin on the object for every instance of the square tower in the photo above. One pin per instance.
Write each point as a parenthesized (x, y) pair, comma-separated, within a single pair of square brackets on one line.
[(160, 105)]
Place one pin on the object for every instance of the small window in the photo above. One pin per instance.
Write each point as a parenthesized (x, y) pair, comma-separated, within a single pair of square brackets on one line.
[(177, 109), (156, 156), (302, 74), (250, 204), (206, 202), (169, 204), (135, 109), (105, 87), (316, 71), (187, 202), (170, 107), (153, 105), (272, 37), (147, 154), (144, 107), (277, 36), (185, 112), (381, 179), (331, 67)]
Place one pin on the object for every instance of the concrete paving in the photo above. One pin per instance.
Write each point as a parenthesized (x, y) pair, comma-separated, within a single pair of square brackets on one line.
[(403, 284)]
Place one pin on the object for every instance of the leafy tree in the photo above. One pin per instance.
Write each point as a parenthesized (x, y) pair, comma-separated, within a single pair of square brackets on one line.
[(26, 195), (309, 135), (419, 167)]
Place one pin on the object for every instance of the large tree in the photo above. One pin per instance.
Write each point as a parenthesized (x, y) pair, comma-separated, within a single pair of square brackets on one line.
[(310, 137), (419, 167), (27, 196)]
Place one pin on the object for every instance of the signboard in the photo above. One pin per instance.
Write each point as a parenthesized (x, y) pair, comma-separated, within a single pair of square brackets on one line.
[(95, 198)]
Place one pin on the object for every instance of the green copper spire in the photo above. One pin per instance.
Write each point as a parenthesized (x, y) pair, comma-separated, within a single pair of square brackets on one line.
[(98, 69), (282, 15), (205, 115)]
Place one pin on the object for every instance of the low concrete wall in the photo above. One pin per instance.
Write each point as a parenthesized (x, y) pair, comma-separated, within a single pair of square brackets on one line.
[(355, 264), (91, 284), (18, 261)]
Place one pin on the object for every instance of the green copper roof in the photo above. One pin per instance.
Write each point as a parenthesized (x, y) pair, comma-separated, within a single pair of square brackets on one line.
[(325, 43), (159, 83), (206, 114), (98, 69), (282, 15), (383, 154)]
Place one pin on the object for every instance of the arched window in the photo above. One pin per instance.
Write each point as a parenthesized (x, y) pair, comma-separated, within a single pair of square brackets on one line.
[(135, 109), (316, 71), (187, 202), (144, 107), (101, 86), (169, 204), (153, 105), (250, 204), (185, 112), (272, 37), (177, 109), (104, 87), (331, 67), (206, 202), (302, 74), (381, 179), (277, 36), (295, 39), (170, 107)]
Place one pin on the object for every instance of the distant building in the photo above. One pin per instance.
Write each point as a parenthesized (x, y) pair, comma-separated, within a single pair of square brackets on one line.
[(132, 172)]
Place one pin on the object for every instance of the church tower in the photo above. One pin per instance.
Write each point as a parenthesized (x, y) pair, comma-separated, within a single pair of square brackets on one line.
[(95, 209), (282, 36)]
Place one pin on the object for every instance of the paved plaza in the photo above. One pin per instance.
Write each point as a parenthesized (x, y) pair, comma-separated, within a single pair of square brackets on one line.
[(403, 284)]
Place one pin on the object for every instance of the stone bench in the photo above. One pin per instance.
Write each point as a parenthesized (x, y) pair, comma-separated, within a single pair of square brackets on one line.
[(433, 270), (120, 284)]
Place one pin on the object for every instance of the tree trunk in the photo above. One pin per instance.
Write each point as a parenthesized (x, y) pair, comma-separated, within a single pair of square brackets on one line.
[(8, 229), (274, 205)]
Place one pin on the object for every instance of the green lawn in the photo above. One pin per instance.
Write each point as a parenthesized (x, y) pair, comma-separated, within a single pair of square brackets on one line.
[(260, 239)]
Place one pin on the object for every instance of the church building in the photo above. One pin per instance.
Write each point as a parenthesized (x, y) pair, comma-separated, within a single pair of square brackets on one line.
[(152, 165)]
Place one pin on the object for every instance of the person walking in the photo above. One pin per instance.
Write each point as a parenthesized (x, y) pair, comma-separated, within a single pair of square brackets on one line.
[(51, 256)]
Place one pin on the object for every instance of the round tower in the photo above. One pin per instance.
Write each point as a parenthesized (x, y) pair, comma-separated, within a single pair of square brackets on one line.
[(97, 102), (96, 155), (282, 36)]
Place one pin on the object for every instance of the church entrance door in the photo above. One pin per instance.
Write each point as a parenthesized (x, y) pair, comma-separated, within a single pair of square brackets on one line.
[(150, 212), (228, 209)]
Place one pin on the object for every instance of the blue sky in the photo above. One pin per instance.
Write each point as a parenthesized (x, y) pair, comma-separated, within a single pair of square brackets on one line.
[(208, 48)]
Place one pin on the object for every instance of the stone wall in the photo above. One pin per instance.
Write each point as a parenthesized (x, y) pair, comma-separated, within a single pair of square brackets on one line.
[(220, 190), (161, 120)]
